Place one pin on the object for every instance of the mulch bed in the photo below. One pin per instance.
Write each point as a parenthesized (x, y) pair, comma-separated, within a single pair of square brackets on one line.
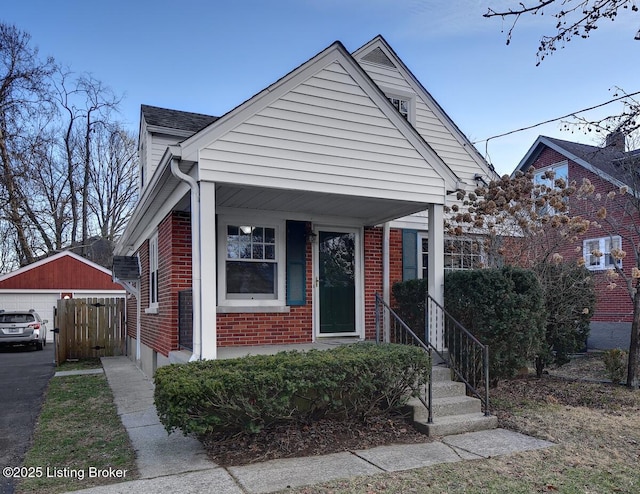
[(318, 438)]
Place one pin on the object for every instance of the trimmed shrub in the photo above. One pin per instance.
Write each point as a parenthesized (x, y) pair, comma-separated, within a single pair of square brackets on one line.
[(254, 392), (503, 308), (615, 364), (409, 298)]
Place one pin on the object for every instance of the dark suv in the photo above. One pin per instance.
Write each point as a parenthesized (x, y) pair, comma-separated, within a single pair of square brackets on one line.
[(22, 327)]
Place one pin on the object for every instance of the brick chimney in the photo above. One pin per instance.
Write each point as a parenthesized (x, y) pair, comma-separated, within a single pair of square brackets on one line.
[(617, 141)]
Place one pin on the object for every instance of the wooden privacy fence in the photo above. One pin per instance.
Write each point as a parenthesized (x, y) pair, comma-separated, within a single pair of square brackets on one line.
[(90, 327)]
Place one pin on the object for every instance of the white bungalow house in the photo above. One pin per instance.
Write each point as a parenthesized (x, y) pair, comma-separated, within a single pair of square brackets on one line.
[(285, 216)]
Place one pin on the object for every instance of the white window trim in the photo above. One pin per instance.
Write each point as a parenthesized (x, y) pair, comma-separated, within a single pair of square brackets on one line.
[(554, 167), (602, 260), (425, 235), (280, 231), (153, 267), (409, 97)]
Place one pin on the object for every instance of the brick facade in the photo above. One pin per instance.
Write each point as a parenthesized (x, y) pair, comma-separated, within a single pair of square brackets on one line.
[(612, 305), (160, 331)]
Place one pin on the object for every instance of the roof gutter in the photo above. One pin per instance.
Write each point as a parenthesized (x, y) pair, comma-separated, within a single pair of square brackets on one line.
[(195, 255)]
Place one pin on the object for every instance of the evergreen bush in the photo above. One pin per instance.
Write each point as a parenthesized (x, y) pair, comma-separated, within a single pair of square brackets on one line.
[(503, 308), (250, 393)]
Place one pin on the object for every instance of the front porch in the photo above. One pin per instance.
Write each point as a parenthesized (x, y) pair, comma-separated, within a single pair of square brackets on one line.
[(184, 355)]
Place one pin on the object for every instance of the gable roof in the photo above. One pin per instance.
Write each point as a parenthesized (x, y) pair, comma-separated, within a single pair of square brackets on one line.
[(175, 119), (378, 51), (335, 52), (602, 161), (62, 270)]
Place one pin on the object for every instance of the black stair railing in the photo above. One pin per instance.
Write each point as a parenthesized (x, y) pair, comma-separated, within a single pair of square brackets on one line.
[(399, 332), (463, 353)]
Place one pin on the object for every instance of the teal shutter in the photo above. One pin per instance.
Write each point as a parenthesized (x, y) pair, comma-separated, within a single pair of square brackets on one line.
[(409, 255), (296, 263)]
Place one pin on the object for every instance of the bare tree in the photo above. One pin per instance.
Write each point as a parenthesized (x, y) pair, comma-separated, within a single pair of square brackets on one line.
[(87, 105), (24, 105), (579, 18), (113, 180)]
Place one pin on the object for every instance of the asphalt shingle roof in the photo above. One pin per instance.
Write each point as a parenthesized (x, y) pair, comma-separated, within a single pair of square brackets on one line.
[(607, 159), (126, 268), (176, 119)]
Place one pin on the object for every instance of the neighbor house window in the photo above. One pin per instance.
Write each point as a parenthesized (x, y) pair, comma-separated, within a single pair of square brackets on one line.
[(459, 253), (598, 253), (153, 271), (551, 178), (559, 171), (251, 265)]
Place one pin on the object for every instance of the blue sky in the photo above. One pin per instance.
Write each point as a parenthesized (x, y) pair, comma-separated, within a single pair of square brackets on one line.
[(210, 56)]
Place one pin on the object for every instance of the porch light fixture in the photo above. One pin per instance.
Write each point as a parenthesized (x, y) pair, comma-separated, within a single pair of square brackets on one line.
[(310, 235), (246, 229), (479, 179)]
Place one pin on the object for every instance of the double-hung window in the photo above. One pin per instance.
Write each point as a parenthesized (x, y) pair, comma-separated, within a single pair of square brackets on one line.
[(402, 105), (459, 253), (550, 178), (153, 272), (599, 253), (252, 262)]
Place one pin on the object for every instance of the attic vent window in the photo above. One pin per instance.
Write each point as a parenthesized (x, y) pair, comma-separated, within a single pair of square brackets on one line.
[(379, 57), (402, 105)]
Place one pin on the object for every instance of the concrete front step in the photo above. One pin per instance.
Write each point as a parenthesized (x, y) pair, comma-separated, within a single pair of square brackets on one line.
[(444, 389), (440, 373), (442, 407), (457, 424), (453, 411)]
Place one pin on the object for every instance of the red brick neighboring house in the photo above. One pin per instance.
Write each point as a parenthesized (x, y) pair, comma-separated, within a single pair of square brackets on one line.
[(603, 167), (284, 217)]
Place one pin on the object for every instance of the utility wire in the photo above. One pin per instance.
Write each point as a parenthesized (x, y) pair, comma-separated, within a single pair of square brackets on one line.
[(572, 114)]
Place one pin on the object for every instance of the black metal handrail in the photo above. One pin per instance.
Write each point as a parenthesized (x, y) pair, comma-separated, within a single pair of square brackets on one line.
[(401, 333), (463, 353)]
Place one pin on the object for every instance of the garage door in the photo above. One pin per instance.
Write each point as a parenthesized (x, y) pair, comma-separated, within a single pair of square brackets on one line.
[(42, 303)]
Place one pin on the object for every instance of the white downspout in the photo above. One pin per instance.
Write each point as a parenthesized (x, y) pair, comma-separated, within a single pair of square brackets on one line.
[(386, 289), (195, 256)]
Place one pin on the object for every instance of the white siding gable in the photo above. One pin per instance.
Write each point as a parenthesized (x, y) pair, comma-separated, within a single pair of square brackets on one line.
[(327, 133), (429, 120)]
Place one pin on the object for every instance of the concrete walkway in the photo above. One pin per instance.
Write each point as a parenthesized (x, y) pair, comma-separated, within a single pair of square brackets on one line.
[(174, 463)]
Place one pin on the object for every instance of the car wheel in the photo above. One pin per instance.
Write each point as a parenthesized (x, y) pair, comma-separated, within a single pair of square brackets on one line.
[(39, 345)]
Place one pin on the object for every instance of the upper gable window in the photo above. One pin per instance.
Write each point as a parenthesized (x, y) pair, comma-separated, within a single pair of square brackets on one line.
[(551, 178), (405, 104), (402, 105), (551, 175)]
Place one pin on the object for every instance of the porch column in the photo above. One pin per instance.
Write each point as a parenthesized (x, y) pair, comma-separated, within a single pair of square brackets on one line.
[(436, 271), (208, 278)]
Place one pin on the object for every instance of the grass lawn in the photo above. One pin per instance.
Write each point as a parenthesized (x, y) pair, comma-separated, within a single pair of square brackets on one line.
[(596, 428), (78, 430)]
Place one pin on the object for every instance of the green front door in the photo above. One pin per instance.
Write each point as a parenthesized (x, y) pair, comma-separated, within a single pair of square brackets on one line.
[(337, 281)]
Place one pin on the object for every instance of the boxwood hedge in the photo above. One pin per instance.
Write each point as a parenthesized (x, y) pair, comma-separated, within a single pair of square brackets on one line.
[(253, 392)]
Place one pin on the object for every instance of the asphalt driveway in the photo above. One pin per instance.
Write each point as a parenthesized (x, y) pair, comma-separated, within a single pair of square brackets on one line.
[(24, 375)]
